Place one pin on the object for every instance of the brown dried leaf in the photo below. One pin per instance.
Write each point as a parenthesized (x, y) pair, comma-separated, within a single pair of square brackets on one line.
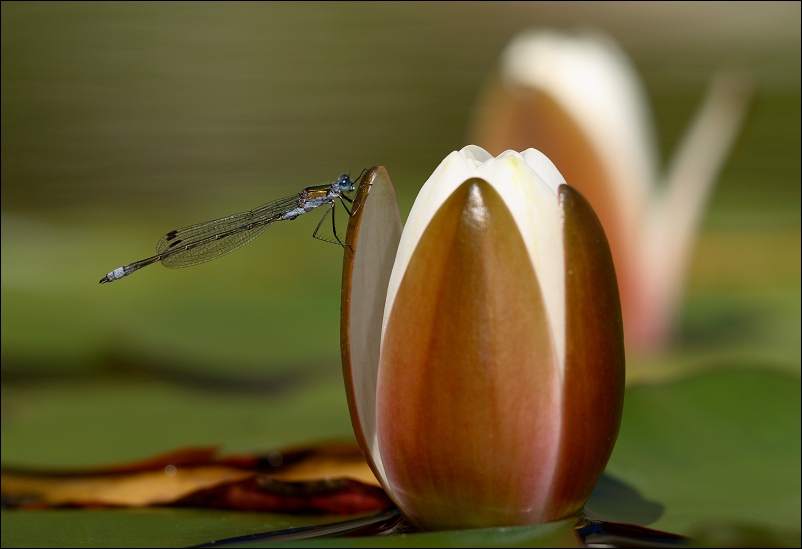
[(331, 478)]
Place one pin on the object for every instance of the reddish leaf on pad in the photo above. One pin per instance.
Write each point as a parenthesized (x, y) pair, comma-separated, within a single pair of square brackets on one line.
[(327, 478)]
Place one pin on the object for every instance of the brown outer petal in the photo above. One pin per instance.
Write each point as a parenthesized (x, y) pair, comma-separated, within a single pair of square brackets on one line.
[(468, 402), (594, 366), (517, 118), (372, 239)]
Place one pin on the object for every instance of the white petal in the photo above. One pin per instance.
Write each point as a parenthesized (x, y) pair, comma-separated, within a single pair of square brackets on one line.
[(475, 155), (545, 168)]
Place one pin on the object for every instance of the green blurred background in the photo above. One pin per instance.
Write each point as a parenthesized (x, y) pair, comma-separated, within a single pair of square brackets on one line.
[(121, 121)]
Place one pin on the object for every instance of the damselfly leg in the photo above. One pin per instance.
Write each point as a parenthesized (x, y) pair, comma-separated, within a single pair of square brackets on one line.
[(333, 226)]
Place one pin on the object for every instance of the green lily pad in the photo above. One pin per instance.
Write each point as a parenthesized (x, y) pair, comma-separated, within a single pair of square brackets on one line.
[(137, 527), (714, 456), (724, 447)]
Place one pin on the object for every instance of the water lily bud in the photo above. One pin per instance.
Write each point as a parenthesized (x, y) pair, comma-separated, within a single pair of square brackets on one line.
[(578, 96), (490, 393)]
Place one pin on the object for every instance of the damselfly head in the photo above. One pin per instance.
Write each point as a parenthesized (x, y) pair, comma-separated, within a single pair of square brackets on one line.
[(345, 183)]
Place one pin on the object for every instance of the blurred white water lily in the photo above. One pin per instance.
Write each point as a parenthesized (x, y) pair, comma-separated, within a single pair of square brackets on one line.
[(578, 99), (483, 346)]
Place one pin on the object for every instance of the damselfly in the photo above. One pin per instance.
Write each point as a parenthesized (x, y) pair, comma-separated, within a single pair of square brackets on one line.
[(211, 239)]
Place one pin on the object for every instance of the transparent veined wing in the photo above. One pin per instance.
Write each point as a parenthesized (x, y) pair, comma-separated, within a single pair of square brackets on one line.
[(211, 239)]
